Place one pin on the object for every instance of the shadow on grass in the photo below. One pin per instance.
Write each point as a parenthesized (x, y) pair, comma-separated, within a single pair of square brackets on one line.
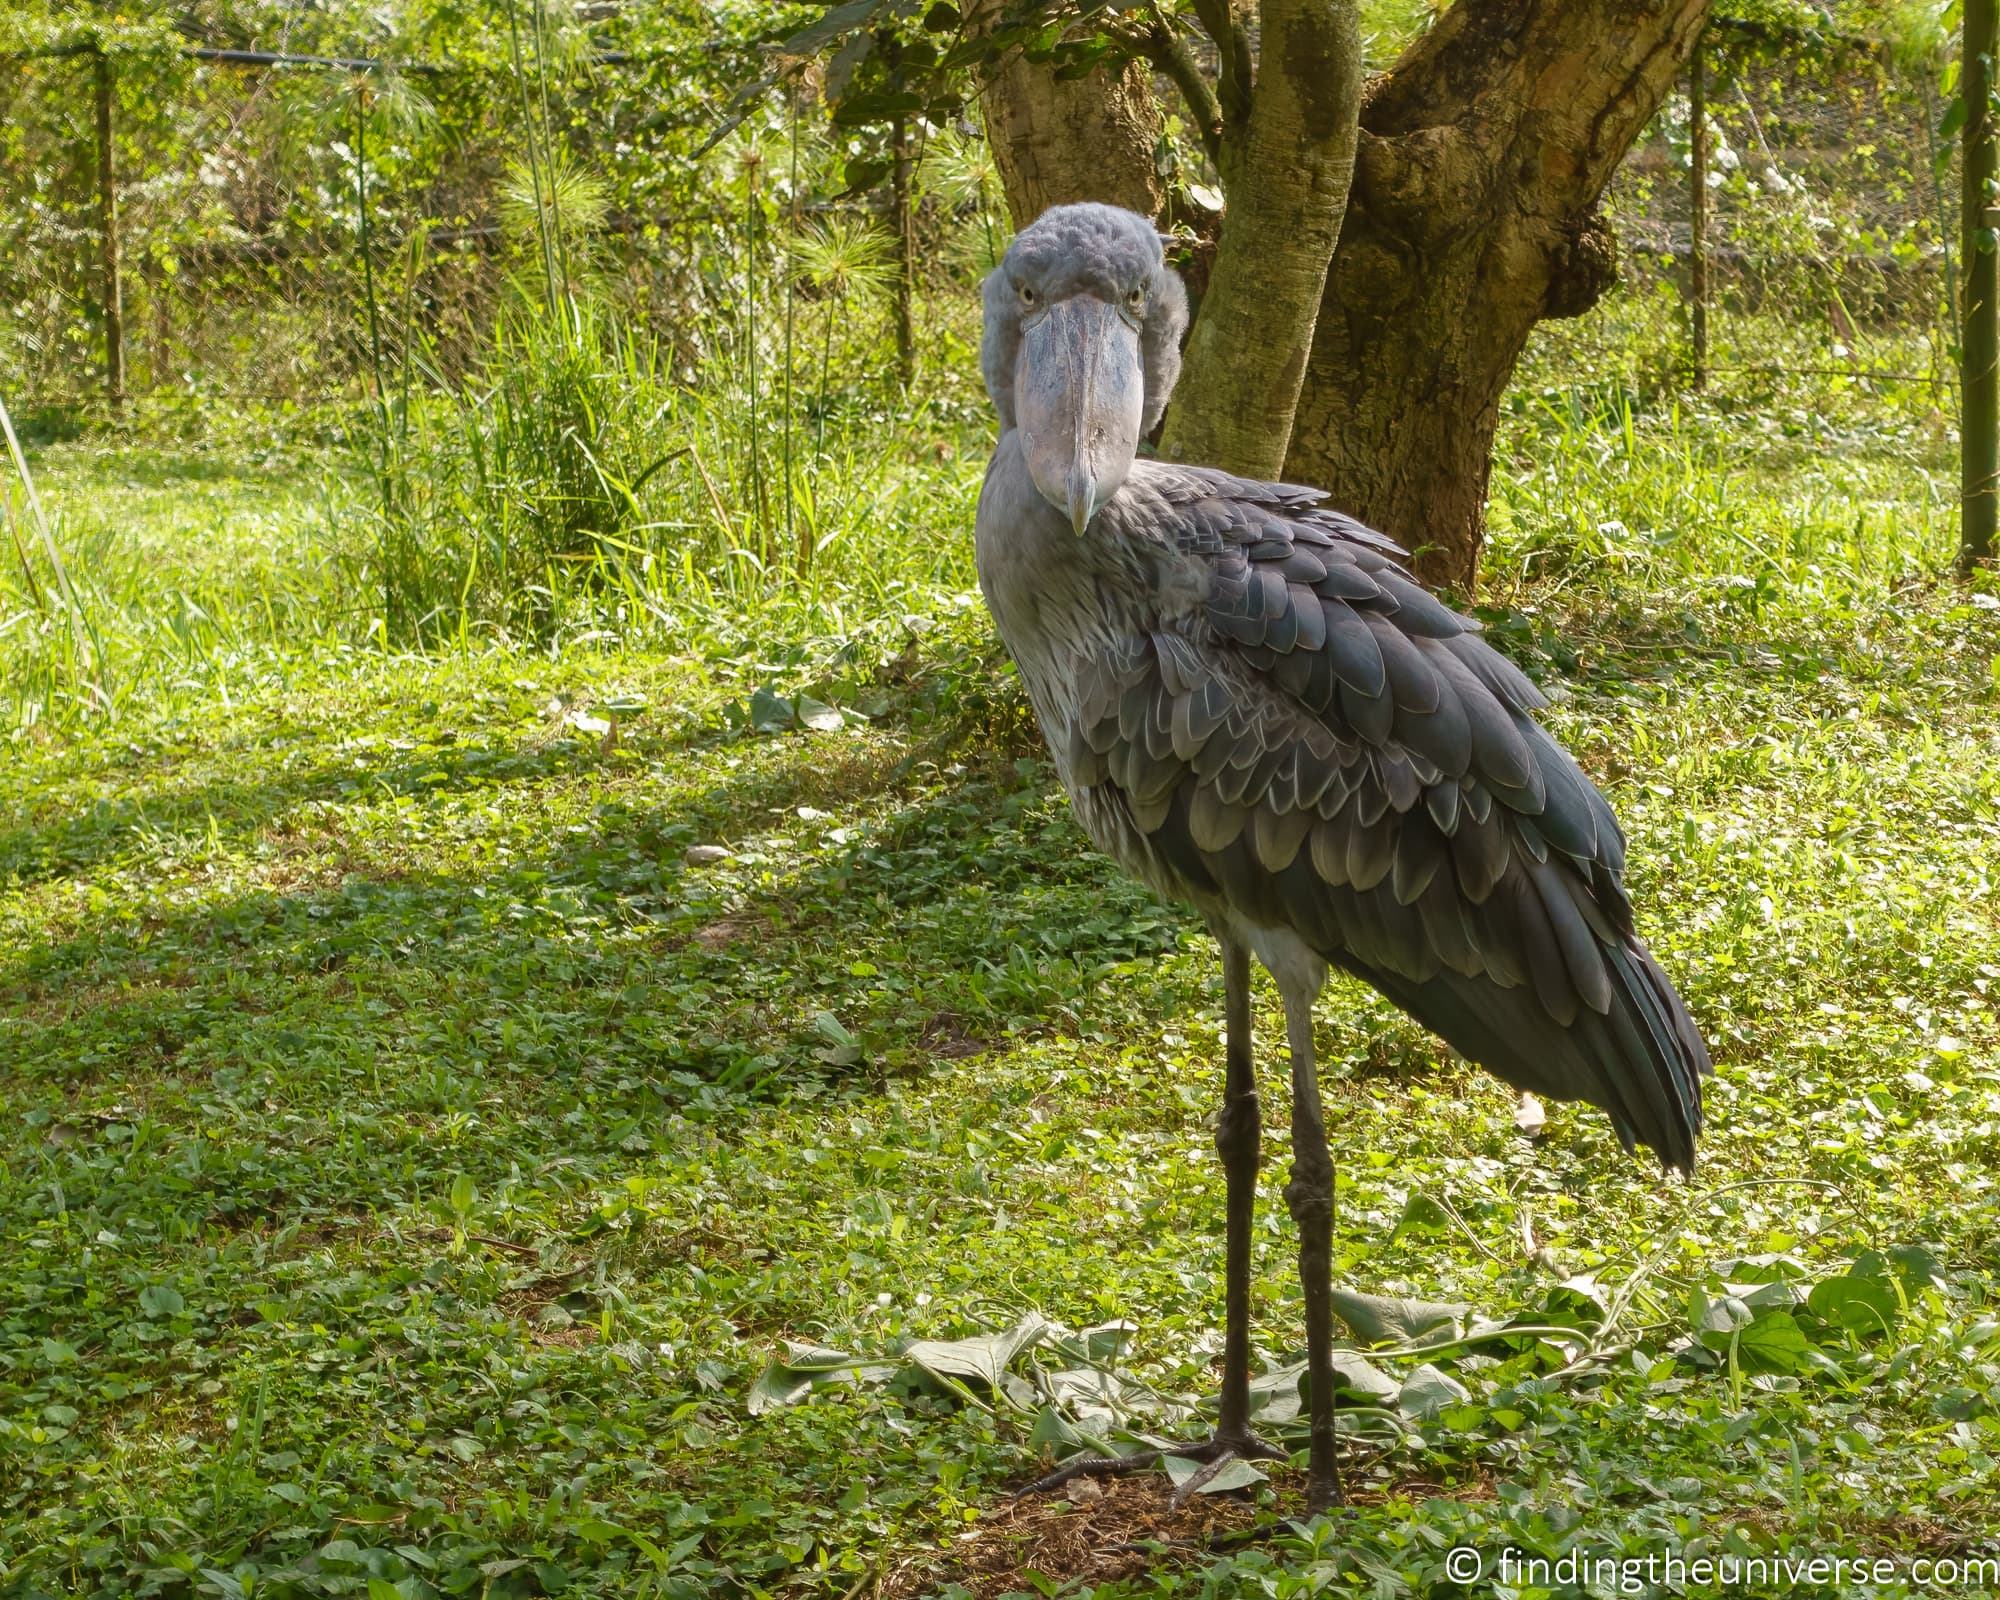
[(570, 1001)]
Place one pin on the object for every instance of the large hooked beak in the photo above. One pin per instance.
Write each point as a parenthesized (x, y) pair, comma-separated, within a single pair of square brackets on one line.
[(1079, 394)]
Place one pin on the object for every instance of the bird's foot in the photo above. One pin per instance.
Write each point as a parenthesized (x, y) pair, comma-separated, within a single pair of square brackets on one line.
[(1214, 1454)]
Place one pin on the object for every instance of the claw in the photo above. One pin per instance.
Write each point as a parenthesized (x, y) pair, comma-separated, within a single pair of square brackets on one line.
[(1202, 1479)]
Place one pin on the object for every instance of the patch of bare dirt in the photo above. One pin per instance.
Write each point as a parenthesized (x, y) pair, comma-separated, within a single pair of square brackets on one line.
[(945, 1038), (1114, 1535), (724, 932), (1122, 1527)]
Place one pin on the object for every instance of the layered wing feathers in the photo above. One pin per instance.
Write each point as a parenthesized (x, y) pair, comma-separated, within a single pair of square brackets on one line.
[(1331, 749)]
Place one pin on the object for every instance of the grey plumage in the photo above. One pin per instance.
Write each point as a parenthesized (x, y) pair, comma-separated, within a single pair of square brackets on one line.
[(1257, 710)]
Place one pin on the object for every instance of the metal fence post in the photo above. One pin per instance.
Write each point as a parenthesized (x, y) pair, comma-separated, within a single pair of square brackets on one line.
[(1979, 371), (1698, 208), (107, 198)]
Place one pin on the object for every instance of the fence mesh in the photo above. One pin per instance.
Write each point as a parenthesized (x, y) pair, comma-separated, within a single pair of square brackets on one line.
[(265, 213), (290, 233), (1827, 204)]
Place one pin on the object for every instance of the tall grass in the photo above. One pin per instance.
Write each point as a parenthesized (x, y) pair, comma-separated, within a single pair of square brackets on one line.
[(61, 659), (495, 498)]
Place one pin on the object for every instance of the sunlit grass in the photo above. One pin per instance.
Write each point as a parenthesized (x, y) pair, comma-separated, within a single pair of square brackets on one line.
[(412, 1155)]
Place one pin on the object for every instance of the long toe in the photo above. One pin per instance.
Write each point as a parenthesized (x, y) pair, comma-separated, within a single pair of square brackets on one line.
[(1209, 1452)]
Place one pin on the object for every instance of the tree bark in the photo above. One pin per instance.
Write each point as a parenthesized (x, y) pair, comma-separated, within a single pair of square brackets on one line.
[(1483, 155), (1056, 141), (1286, 159)]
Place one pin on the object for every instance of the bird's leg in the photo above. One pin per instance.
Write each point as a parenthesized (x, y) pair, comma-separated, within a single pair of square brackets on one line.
[(1237, 1134), (1309, 1194)]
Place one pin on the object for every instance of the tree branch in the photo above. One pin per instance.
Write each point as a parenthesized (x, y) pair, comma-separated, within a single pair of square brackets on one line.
[(1162, 44), (1219, 21)]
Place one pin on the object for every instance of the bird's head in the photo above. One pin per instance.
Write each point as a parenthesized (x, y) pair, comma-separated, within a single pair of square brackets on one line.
[(1082, 346)]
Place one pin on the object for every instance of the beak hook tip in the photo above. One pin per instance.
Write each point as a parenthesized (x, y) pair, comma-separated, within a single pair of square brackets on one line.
[(1082, 501)]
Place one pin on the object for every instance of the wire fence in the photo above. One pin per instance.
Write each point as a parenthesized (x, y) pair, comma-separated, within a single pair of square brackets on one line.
[(287, 229), (1819, 200)]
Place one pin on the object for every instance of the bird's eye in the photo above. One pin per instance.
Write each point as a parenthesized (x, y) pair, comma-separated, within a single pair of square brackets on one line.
[(1136, 299), (1027, 295)]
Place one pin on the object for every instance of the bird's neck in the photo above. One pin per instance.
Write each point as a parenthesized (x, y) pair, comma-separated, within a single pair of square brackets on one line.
[(1052, 588)]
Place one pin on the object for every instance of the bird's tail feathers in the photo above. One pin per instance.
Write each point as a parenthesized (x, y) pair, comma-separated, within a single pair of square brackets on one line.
[(1641, 1062)]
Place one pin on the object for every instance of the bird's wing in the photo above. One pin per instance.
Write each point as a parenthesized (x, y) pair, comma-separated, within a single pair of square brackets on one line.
[(1333, 750)]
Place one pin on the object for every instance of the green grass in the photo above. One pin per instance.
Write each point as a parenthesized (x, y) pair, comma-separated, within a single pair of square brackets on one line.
[(410, 1161)]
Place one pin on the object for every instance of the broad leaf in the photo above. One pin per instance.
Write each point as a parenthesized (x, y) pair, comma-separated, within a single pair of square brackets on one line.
[(983, 1359), (1715, 1321), (816, 36), (1383, 1319), (1058, 1434), (1428, 1391), (805, 1368), (1773, 1343), (1236, 1474), (1863, 1304)]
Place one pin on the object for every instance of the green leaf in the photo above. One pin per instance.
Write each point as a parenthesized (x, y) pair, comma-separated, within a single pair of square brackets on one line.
[(1860, 1304), (1384, 1319), (1104, 1340), (1279, 1396), (1421, 1215), (1427, 1391), (1715, 1320), (1773, 1342), (803, 1369), (819, 717), (1362, 1379), (846, 62), (1952, 120), (161, 1300), (982, 1359), (816, 36), (1055, 1432), (464, 1195), (770, 712), (1916, 1266), (843, 1049), (863, 175)]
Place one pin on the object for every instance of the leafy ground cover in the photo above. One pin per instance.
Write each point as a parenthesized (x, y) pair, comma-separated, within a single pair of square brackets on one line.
[(419, 1174)]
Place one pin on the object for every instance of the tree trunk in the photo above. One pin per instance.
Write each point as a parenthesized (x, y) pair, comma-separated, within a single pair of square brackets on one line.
[(1472, 216), (1286, 164), (1481, 158), (1060, 140)]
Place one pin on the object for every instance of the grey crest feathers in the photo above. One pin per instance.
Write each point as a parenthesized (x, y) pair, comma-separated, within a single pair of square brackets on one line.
[(1086, 248)]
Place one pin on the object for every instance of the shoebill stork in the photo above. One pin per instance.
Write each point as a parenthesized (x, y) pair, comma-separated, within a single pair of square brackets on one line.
[(1258, 712)]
